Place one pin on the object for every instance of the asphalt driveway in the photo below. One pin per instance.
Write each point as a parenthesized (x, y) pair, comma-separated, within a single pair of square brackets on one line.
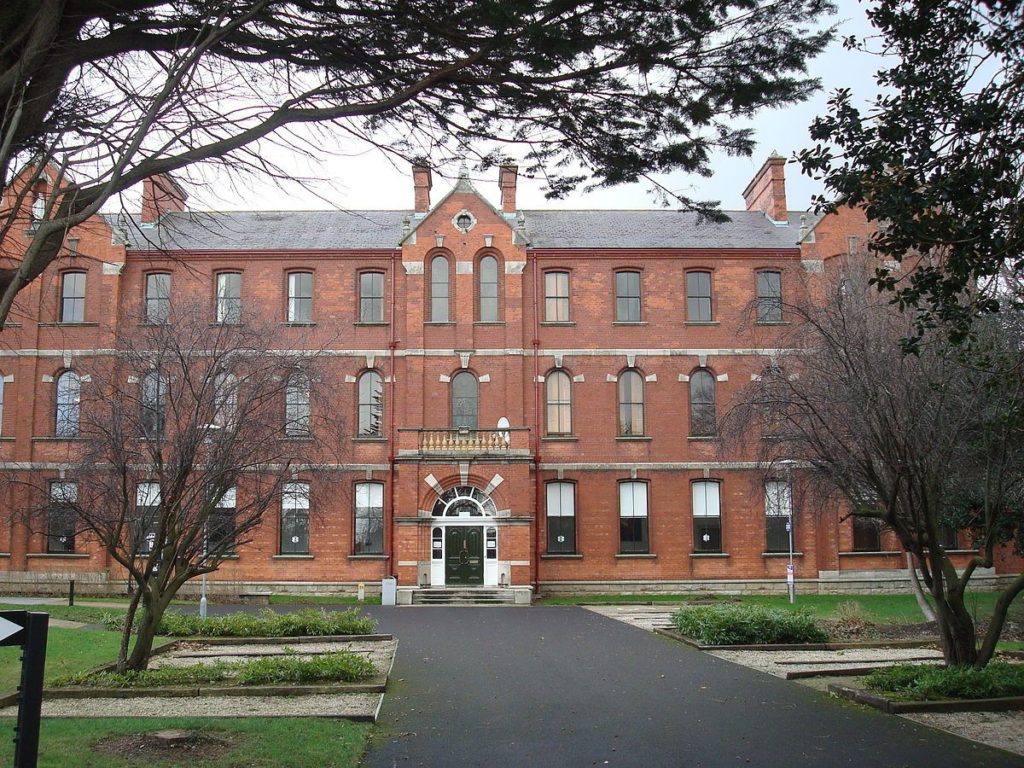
[(561, 686)]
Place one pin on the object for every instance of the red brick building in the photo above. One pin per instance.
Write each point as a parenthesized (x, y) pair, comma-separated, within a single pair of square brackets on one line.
[(532, 393)]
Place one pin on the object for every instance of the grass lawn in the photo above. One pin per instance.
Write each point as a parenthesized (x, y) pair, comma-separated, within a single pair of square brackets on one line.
[(261, 742), (85, 614), (67, 651), (624, 599), (883, 609)]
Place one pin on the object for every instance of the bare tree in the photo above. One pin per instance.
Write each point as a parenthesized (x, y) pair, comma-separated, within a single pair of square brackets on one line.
[(920, 442), (187, 437), (101, 95)]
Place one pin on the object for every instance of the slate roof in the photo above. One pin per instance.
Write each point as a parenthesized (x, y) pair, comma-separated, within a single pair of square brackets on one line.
[(326, 230)]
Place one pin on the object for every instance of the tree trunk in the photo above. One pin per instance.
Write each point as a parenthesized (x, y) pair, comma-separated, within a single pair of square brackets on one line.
[(956, 630), (126, 631), (995, 624), (152, 612), (915, 587)]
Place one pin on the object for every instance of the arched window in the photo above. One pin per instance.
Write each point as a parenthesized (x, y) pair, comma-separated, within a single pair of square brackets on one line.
[(154, 403), (296, 406), (439, 290), (488, 289), (702, 404), (631, 404), (371, 404), (559, 403), (69, 392), (464, 401)]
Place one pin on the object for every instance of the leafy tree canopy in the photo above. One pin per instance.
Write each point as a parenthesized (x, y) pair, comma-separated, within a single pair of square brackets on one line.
[(936, 158), (110, 92)]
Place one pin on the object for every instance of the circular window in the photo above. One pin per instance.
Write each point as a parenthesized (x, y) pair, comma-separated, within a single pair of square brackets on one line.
[(464, 221), (464, 501)]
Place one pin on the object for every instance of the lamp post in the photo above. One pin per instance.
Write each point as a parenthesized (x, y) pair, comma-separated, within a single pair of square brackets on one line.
[(202, 587), (790, 568)]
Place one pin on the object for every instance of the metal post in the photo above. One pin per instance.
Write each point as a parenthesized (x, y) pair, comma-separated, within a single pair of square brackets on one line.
[(202, 588), (791, 570), (71, 593), (30, 692)]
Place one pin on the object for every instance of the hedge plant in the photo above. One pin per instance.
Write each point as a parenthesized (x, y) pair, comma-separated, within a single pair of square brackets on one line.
[(747, 625), (309, 622), (928, 683)]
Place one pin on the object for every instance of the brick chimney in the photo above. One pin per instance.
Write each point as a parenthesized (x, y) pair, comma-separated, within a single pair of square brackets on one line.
[(421, 183), (161, 194), (767, 191), (507, 184)]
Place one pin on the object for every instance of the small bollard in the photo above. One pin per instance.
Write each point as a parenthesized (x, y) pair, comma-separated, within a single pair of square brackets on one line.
[(71, 592), (361, 592)]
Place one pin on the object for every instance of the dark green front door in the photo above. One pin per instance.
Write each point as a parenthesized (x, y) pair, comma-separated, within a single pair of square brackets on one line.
[(463, 555)]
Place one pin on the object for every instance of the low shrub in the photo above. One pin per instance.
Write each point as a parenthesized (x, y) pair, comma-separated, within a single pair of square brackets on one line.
[(926, 683), (264, 624), (340, 666), (747, 625)]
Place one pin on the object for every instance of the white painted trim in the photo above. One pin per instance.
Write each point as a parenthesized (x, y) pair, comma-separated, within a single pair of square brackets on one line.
[(654, 466), (408, 563), (578, 379), (722, 377), (350, 379), (413, 267), (464, 268), (421, 352), (653, 378), (683, 377), (485, 379), (514, 267)]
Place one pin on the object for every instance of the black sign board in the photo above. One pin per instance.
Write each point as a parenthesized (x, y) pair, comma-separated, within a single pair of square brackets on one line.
[(29, 631)]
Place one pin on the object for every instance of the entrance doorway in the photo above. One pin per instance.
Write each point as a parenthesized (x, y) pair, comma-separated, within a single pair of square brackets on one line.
[(464, 555)]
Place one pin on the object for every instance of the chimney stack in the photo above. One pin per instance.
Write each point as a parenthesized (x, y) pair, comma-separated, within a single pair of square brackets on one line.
[(507, 184), (767, 191), (161, 194), (421, 183)]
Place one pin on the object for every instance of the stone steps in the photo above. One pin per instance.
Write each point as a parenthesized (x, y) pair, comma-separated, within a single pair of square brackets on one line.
[(466, 596)]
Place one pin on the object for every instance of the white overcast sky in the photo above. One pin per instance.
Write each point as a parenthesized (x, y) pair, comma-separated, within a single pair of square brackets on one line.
[(364, 179)]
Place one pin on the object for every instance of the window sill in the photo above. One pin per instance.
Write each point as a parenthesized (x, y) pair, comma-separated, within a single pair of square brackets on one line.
[(298, 438), (367, 557), (781, 554), (562, 556), (439, 322), (489, 322), (59, 555), (52, 439), (635, 556), (701, 322), (629, 322), (5, 554), (229, 557), (298, 324), (709, 554), (869, 552), (7, 439), (559, 439), (369, 439), (225, 325), (773, 322), (704, 439), (11, 325), (633, 439), (558, 323), (374, 324), (962, 551), (82, 324), (296, 556)]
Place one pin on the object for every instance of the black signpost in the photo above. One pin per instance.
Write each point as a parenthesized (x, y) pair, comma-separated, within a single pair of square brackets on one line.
[(29, 631)]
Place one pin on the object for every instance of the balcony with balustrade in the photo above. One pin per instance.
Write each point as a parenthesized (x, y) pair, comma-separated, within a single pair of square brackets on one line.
[(509, 443)]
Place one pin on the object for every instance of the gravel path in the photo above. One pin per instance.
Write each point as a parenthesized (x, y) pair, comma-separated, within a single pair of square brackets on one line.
[(380, 652), (349, 705)]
